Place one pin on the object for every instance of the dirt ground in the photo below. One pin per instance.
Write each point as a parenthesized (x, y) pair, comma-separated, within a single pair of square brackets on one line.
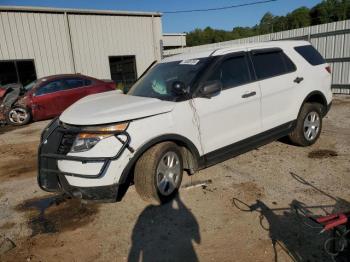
[(232, 217)]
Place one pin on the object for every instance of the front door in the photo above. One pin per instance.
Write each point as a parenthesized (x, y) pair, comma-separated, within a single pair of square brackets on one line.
[(234, 113), (45, 101), (75, 89)]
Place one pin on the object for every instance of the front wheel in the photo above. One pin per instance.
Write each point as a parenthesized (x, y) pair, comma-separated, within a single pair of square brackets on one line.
[(18, 116), (309, 125), (158, 173)]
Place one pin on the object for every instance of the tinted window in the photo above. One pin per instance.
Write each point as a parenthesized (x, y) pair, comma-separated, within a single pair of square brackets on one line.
[(87, 82), (74, 82), (50, 87), (232, 72), (269, 64), (310, 54)]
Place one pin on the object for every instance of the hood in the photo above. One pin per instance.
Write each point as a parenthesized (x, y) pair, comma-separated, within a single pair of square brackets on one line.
[(112, 107)]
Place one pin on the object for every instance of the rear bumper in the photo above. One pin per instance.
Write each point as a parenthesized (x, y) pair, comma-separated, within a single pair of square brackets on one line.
[(54, 147)]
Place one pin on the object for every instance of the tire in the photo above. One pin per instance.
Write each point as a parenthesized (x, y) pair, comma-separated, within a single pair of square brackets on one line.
[(309, 125), (18, 116), (150, 182)]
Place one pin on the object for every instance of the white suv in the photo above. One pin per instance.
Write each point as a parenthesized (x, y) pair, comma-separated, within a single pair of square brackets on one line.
[(187, 112)]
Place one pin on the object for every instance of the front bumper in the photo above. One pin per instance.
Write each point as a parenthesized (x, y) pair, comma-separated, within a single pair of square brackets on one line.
[(56, 141)]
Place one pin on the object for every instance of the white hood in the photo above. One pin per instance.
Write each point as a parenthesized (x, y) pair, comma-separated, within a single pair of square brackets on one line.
[(112, 107)]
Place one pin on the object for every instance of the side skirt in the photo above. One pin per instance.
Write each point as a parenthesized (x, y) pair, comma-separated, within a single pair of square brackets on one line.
[(246, 145)]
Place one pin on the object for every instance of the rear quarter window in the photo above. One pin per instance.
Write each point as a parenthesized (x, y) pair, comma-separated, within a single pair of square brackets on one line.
[(310, 54)]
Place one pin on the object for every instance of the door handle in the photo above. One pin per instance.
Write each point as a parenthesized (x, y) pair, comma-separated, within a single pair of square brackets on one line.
[(298, 80), (246, 95)]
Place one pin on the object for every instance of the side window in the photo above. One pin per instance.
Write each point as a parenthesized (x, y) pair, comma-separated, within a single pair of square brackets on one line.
[(87, 82), (232, 72), (310, 54), (272, 63), (50, 87), (74, 82)]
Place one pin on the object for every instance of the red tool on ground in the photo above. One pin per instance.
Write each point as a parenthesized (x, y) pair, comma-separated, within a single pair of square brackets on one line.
[(332, 221), (338, 245)]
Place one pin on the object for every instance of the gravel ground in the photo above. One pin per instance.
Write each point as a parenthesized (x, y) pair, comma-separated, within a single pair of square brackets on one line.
[(243, 211)]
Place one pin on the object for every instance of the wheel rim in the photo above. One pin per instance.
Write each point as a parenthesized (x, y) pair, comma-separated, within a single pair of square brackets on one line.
[(18, 115), (311, 126), (168, 173)]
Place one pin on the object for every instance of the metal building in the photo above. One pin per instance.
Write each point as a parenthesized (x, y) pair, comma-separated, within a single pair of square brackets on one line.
[(36, 42), (174, 40)]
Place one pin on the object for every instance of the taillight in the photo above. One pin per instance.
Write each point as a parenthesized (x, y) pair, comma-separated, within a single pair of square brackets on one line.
[(329, 70)]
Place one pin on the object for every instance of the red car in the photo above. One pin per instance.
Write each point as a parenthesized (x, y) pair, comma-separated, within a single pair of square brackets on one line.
[(47, 97)]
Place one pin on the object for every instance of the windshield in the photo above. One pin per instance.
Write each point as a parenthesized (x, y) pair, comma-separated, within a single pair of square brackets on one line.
[(158, 81), (30, 85)]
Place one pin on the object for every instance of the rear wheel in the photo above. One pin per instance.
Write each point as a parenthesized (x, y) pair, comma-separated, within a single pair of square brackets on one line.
[(309, 125), (18, 116), (158, 173)]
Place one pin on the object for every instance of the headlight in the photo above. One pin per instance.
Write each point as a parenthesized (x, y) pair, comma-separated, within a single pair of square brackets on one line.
[(90, 136)]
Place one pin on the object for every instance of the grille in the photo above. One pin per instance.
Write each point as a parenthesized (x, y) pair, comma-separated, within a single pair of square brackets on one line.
[(66, 143)]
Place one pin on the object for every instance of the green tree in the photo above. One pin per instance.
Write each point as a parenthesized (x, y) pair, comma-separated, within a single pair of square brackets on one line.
[(325, 12), (266, 23), (299, 18)]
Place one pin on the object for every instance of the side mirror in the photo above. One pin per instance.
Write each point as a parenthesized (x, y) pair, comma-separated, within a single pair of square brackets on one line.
[(179, 88), (211, 88)]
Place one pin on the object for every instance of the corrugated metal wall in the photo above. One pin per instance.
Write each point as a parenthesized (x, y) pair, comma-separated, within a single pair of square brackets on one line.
[(37, 36), (331, 40), (176, 40), (95, 38), (44, 37)]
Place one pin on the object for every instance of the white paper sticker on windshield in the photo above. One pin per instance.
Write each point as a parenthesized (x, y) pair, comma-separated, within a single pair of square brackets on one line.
[(189, 62)]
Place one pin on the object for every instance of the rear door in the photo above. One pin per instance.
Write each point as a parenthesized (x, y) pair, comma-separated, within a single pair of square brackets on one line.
[(233, 114), (279, 84), (97, 86)]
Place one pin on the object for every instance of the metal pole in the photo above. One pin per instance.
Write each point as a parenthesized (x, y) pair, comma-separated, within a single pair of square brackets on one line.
[(70, 42)]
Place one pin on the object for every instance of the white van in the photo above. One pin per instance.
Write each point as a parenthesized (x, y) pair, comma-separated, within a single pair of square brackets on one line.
[(185, 113)]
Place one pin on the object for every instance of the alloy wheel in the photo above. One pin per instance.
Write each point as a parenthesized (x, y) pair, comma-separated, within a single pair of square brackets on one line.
[(168, 173)]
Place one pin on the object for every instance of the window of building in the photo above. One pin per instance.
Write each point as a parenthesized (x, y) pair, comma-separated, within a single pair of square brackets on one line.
[(233, 72), (310, 54), (271, 63), (123, 71), (17, 71)]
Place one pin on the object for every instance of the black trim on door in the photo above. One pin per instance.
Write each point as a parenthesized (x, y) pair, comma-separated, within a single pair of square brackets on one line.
[(246, 145)]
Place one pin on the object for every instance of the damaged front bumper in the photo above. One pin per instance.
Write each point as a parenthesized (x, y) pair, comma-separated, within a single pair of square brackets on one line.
[(55, 144)]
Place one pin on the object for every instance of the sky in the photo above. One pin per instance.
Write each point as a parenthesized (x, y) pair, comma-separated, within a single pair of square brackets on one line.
[(184, 22)]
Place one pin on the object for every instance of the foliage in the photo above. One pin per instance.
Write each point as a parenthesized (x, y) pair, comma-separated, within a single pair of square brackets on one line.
[(325, 12)]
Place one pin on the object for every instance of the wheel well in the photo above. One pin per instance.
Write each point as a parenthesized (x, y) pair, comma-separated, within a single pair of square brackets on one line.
[(190, 161), (319, 99), (190, 155)]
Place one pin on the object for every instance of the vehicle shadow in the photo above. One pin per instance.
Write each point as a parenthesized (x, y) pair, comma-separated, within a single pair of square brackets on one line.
[(165, 233), (291, 230)]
